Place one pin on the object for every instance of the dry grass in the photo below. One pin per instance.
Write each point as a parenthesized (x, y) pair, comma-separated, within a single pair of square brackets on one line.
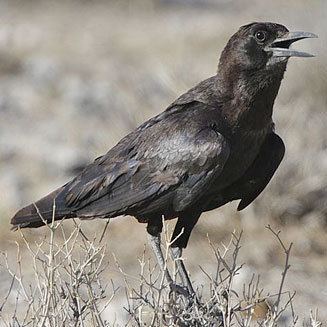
[(68, 287), (77, 76)]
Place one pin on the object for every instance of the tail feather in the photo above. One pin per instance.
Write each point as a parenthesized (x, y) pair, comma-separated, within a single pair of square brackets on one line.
[(43, 211)]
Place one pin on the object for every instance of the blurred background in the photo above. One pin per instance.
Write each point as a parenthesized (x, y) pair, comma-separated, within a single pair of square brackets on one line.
[(76, 76)]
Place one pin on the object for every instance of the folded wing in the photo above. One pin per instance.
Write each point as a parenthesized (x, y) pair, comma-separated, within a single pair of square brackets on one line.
[(168, 161)]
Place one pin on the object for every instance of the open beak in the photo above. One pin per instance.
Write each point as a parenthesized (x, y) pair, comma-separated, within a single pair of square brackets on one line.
[(280, 47)]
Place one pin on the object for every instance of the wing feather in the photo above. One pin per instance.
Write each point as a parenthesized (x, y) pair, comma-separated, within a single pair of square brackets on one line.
[(161, 157)]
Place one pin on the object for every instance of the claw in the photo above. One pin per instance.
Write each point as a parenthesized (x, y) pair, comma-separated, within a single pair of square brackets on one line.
[(180, 290)]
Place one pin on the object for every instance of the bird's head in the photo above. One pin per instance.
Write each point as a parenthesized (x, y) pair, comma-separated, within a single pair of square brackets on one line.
[(262, 46)]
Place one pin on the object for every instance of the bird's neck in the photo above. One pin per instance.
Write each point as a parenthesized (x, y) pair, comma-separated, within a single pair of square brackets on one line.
[(251, 97)]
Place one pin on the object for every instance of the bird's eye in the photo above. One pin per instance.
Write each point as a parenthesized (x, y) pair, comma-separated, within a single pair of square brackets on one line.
[(261, 36)]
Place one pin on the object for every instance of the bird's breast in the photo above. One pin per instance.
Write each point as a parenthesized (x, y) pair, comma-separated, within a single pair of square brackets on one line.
[(244, 147)]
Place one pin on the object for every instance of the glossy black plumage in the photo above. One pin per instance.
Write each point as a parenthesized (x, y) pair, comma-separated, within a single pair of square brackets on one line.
[(214, 144)]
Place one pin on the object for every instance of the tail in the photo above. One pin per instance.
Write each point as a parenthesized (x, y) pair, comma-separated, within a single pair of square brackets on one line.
[(43, 211)]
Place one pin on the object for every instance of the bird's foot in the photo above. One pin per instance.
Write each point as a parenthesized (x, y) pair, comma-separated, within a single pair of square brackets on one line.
[(182, 291), (179, 290)]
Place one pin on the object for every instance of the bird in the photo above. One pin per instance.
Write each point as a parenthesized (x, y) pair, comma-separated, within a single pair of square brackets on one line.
[(214, 144)]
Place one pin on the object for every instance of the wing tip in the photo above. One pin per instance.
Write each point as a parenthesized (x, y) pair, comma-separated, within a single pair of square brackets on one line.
[(242, 205)]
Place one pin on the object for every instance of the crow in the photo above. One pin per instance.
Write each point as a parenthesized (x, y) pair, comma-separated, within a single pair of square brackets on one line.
[(216, 143)]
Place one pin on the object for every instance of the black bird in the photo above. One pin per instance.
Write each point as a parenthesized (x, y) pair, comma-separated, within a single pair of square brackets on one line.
[(215, 144)]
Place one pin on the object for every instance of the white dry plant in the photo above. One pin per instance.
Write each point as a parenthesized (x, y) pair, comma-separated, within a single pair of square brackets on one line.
[(68, 288), (216, 303)]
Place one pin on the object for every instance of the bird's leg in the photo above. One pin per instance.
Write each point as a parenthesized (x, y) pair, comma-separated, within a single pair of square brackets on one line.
[(177, 256), (154, 240), (182, 232)]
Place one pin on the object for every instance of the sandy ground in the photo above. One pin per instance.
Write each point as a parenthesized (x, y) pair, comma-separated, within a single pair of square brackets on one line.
[(75, 78)]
